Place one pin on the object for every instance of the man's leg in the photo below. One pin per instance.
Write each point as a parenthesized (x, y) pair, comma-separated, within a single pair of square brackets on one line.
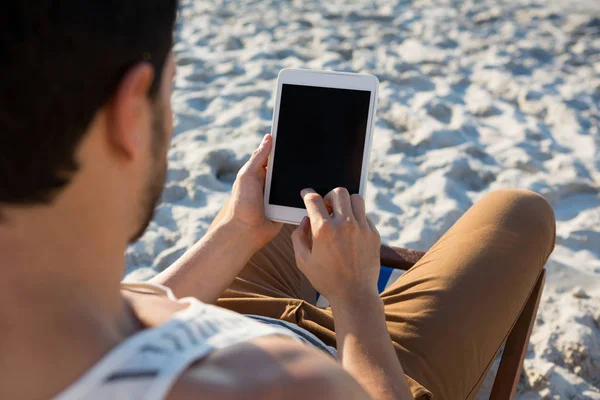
[(449, 315)]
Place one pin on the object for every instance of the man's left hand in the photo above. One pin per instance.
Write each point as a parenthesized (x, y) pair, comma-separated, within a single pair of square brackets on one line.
[(246, 206)]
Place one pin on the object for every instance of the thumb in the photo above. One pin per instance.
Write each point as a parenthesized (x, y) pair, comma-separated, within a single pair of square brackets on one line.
[(301, 241), (260, 156)]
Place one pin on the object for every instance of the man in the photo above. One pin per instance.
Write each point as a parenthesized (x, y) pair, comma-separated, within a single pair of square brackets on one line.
[(86, 121)]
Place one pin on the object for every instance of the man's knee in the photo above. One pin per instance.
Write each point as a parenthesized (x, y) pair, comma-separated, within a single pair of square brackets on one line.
[(529, 211)]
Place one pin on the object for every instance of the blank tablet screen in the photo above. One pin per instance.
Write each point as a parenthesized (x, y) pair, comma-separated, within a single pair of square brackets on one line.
[(320, 142)]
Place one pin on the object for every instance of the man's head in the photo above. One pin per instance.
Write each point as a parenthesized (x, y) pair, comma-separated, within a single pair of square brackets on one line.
[(79, 71)]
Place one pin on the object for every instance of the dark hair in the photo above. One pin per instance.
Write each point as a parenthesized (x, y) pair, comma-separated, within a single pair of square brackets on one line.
[(60, 62)]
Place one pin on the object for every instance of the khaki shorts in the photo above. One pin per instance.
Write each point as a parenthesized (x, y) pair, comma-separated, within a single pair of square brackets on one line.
[(449, 315)]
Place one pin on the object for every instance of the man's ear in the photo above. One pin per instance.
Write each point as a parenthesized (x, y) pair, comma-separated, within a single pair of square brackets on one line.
[(130, 114)]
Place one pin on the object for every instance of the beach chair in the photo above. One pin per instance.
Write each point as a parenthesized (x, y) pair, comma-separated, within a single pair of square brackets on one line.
[(515, 348)]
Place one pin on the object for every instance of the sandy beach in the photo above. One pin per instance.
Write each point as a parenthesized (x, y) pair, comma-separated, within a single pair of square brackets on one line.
[(474, 96)]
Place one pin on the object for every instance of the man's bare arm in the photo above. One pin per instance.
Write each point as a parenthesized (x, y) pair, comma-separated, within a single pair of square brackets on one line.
[(239, 230), (210, 266), (365, 348)]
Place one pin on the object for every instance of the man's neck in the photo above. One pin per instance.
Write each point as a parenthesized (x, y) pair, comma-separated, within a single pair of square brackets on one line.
[(61, 302)]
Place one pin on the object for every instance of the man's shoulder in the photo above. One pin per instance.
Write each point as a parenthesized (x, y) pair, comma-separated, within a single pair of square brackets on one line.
[(268, 368), (264, 368)]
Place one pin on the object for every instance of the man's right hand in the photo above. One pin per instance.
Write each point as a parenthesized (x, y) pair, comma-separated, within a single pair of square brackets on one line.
[(342, 262), (337, 247)]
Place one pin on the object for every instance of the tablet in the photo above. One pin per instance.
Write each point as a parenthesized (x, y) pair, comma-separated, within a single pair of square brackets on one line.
[(322, 128)]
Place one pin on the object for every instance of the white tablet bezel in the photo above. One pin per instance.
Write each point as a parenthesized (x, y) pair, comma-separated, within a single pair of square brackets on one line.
[(328, 79)]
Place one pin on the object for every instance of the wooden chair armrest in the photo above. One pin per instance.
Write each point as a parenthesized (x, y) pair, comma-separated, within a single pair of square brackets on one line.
[(398, 257), (515, 349)]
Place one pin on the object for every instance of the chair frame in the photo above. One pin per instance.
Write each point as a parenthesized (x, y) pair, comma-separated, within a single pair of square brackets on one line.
[(515, 349)]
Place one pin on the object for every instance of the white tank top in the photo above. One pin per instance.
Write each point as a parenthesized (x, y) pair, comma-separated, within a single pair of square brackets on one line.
[(146, 365)]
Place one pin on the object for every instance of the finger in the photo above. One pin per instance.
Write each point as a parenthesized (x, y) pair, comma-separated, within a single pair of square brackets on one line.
[(260, 156), (262, 175), (301, 241), (358, 208), (373, 229), (315, 206), (372, 225), (339, 199)]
